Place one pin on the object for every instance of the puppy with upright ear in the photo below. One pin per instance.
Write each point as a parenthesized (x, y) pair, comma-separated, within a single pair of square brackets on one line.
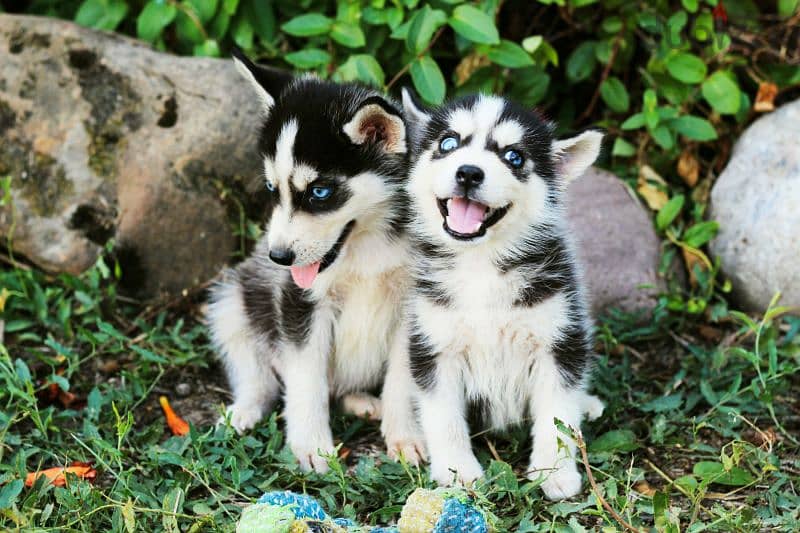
[(377, 123), (576, 154), (416, 116), (268, 82)]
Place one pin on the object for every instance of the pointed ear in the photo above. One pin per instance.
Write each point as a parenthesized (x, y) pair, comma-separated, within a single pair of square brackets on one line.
[(576, 154), (377, 123), (416, 116), (268, 82)]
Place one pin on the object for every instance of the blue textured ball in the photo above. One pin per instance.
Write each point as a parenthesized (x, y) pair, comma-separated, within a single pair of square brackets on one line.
[(302, 505), (458, 517)]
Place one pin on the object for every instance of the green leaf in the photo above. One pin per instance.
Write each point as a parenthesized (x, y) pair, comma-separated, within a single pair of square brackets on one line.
[(581, 62), (700, 233), (361, 67), (474, 25), (695, 128), (529, 85), (690, 5), (428, 79), (664, 403), (243, 33), (101, 14), (187, 29), (509, 54), (714, 472), (615, 95), (686, 67), (308, 25), (722, 92), (663, 137), (9, 493), (633, 122), (308, 58), (670, 210), (623, 148), (349, 35), (155, 16), (787, 8), (262, 17), (208, 48), (424, 24), (205, 9), (622, 440), (532, 43), (229, 6)]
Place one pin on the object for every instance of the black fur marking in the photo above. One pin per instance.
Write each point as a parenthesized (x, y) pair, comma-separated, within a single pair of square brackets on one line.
[(573, 350), (520, 172), (551, 271), (273, 80), (432, 290), (333, 253), (479, 412), (259, 301), (422, 360), (296, 313)]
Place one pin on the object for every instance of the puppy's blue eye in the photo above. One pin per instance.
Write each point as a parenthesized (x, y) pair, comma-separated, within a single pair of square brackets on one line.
[(514, 158), (448, 144), (321, 193), (270, 186)]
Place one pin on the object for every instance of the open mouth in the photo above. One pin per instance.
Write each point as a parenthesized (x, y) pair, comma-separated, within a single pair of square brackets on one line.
[(304, 275), (466, 219)]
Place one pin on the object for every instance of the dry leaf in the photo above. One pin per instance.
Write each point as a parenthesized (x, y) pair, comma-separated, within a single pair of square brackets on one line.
[(765, 99), (691, 259), (644, 488), (688, 168), (655, 197), (709, 333), (468, 65), (176, 424), (58, 475)]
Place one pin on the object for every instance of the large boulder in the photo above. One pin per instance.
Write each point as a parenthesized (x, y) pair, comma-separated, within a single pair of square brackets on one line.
[(756, 201), (617, 243), (103, 137)]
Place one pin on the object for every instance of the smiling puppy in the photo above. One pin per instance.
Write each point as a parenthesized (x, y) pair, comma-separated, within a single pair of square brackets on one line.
[(497, 315), (315, 310)]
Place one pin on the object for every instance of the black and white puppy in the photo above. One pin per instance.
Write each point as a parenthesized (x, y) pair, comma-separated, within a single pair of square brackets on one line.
[(497, 315), (315, 310)]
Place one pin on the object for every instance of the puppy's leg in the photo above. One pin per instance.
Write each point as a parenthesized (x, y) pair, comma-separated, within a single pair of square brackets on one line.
[(247, 360), (399, 426), (362, 405), (442, 414), (553, 454), (304, 369), (592, 406)]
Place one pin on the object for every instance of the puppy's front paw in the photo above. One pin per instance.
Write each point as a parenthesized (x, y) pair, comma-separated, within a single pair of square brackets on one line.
[(311, 457), (463, 470), (244, 416), (593, 407), (561, 483), (362, 405), (410, 448)]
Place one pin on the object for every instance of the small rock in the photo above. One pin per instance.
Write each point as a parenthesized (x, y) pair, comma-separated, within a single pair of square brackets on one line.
[(104, 137), (756, 201), (617, 244), (183, 389)]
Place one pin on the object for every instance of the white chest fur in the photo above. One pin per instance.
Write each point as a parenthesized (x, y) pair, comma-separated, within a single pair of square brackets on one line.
[(502, 350)]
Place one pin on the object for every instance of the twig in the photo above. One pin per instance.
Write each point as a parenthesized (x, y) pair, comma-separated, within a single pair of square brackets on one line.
[(407, 66), (606, 72), (585, 458)]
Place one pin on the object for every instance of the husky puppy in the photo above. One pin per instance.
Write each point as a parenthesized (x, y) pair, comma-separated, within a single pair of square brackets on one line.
[(315, 310), (498, 318)]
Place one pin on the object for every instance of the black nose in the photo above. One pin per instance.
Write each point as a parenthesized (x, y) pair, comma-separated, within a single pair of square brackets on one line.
[(469, 176), (282, 256)]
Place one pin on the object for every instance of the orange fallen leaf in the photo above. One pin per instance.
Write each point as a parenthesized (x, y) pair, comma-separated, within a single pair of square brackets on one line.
[(647, 186), (643, 487), (58, 474), (765, 98), (688, 168), (176, 424)]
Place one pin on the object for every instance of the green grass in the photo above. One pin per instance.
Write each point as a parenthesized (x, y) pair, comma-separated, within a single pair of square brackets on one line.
[(700, 433)]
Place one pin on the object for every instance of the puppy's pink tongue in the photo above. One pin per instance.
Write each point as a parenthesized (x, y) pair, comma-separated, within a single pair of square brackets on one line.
[(464, 215), (305, 275)]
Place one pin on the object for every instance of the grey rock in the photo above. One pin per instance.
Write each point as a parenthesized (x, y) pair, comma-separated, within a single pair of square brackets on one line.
[(617, 244), (103, 137), (756, 200)]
